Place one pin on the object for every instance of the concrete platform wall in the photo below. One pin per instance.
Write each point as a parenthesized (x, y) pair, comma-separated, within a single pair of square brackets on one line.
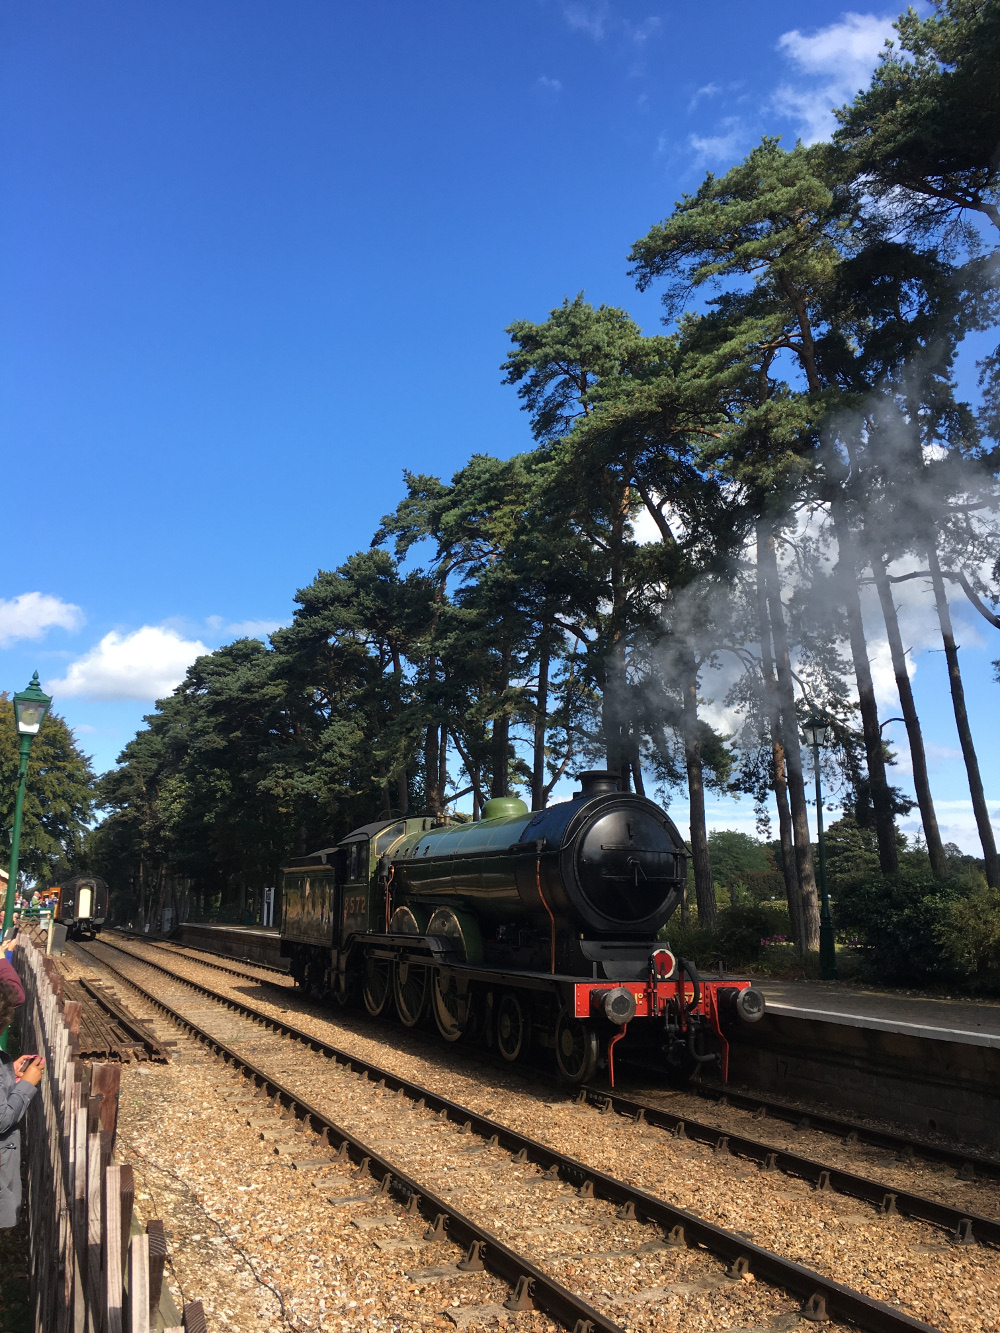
[(254, 945), (949, 1088)]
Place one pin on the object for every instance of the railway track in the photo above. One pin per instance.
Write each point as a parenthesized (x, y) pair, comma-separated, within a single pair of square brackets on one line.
[(968, 1165), (200, 955), (639, 1213)]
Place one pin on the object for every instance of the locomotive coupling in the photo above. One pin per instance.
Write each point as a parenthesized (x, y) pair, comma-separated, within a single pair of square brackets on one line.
[(748, 1004), (618, 1005)]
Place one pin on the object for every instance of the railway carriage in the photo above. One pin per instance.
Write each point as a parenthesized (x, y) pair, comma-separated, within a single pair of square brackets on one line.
[(81, 905), (524, 928)]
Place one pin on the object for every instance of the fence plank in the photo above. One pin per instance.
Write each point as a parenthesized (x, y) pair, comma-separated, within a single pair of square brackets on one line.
[(138, 1285), (157, 1259), (105, 1080), (94, 1177), (111, 1300)]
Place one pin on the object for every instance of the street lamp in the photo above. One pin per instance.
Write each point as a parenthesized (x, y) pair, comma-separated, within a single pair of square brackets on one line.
[(816, 731), (30, 707)]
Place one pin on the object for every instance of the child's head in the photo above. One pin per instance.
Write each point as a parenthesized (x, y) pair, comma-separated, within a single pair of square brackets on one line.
[(8, 1003)]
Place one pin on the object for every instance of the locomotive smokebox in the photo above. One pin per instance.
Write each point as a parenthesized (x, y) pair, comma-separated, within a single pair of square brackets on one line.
[(609, 861)]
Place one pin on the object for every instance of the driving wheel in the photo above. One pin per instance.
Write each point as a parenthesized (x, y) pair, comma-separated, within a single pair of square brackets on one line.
[(511, 1029), (376, 985), (411, 989), (449, 1008), (577, 1048)]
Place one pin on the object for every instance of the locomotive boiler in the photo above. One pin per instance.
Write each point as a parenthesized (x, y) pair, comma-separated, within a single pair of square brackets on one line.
[(521, 928)]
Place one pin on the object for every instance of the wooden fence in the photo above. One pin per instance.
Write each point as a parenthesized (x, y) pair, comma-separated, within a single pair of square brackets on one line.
[(93, 1270)]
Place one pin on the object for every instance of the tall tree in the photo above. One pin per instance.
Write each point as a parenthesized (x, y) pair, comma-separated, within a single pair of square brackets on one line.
[(923, 136), (58, 795)]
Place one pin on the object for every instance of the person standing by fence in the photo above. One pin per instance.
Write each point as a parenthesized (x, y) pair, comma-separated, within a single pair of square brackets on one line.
[(19, 1080)]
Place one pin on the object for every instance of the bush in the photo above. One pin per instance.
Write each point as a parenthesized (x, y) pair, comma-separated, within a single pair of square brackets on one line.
[(744, 933), (896, 921), (970, 933)]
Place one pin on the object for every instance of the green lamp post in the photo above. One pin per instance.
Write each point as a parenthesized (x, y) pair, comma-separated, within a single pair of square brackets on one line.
[(30, 707), (817, 733)]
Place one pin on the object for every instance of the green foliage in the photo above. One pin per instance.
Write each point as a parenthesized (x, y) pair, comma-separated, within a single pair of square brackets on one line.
[(927, 126), (734, 854), (969, 932), (896, 921), (58, 796), (741, 937)]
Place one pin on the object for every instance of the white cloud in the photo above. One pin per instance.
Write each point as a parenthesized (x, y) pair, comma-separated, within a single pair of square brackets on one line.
[(641, 32), (596, 21), (841, 57), (590, 19), (253, 629), (145, 664), (32, 614), (242, 629), (707, 90), (550, 85), (722, 147)]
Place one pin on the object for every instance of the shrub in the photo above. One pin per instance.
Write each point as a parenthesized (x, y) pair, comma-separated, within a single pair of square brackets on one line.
[(969, 932), (745, 931), (896, 921)]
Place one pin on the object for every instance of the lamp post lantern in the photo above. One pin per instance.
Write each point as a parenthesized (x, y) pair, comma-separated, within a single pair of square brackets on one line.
[(817, 733), (30, 708)]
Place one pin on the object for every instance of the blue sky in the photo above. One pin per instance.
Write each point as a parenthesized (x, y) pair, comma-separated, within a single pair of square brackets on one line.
[(257, 258)]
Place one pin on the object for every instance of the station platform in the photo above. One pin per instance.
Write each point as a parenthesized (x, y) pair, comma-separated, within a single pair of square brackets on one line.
[(932, 1065), (255, 944), (967, 1022)]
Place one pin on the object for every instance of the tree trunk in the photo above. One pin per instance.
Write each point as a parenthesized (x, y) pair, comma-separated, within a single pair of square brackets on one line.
[(885, 824), (538, 793), (431, 805), (962, 722), (612, 700), (501, 734), (793, 758), (635, 765), (918, 759), (789, 866), (442, 784), (701, 862), (402, 793)]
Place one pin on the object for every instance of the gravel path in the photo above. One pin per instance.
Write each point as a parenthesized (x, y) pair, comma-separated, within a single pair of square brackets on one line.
[(893, 1260)]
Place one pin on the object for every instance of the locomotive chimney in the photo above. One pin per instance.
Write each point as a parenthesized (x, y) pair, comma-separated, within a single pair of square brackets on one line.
[(596, 782)]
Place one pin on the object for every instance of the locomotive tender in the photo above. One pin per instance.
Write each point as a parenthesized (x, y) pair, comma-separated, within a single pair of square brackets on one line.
[(519, 928)]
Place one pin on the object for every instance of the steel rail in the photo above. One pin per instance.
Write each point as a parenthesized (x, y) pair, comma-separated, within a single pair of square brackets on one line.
[(132, 1026), (829, 1124), (966, 1227), (823, 1297), (213, 953), (485, 1250)]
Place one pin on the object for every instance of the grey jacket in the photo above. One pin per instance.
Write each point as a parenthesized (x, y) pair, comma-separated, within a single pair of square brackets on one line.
[(14, 1098)]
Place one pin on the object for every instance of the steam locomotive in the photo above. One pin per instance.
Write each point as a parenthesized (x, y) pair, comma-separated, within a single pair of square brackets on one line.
[(81, 905), (521, 928)]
